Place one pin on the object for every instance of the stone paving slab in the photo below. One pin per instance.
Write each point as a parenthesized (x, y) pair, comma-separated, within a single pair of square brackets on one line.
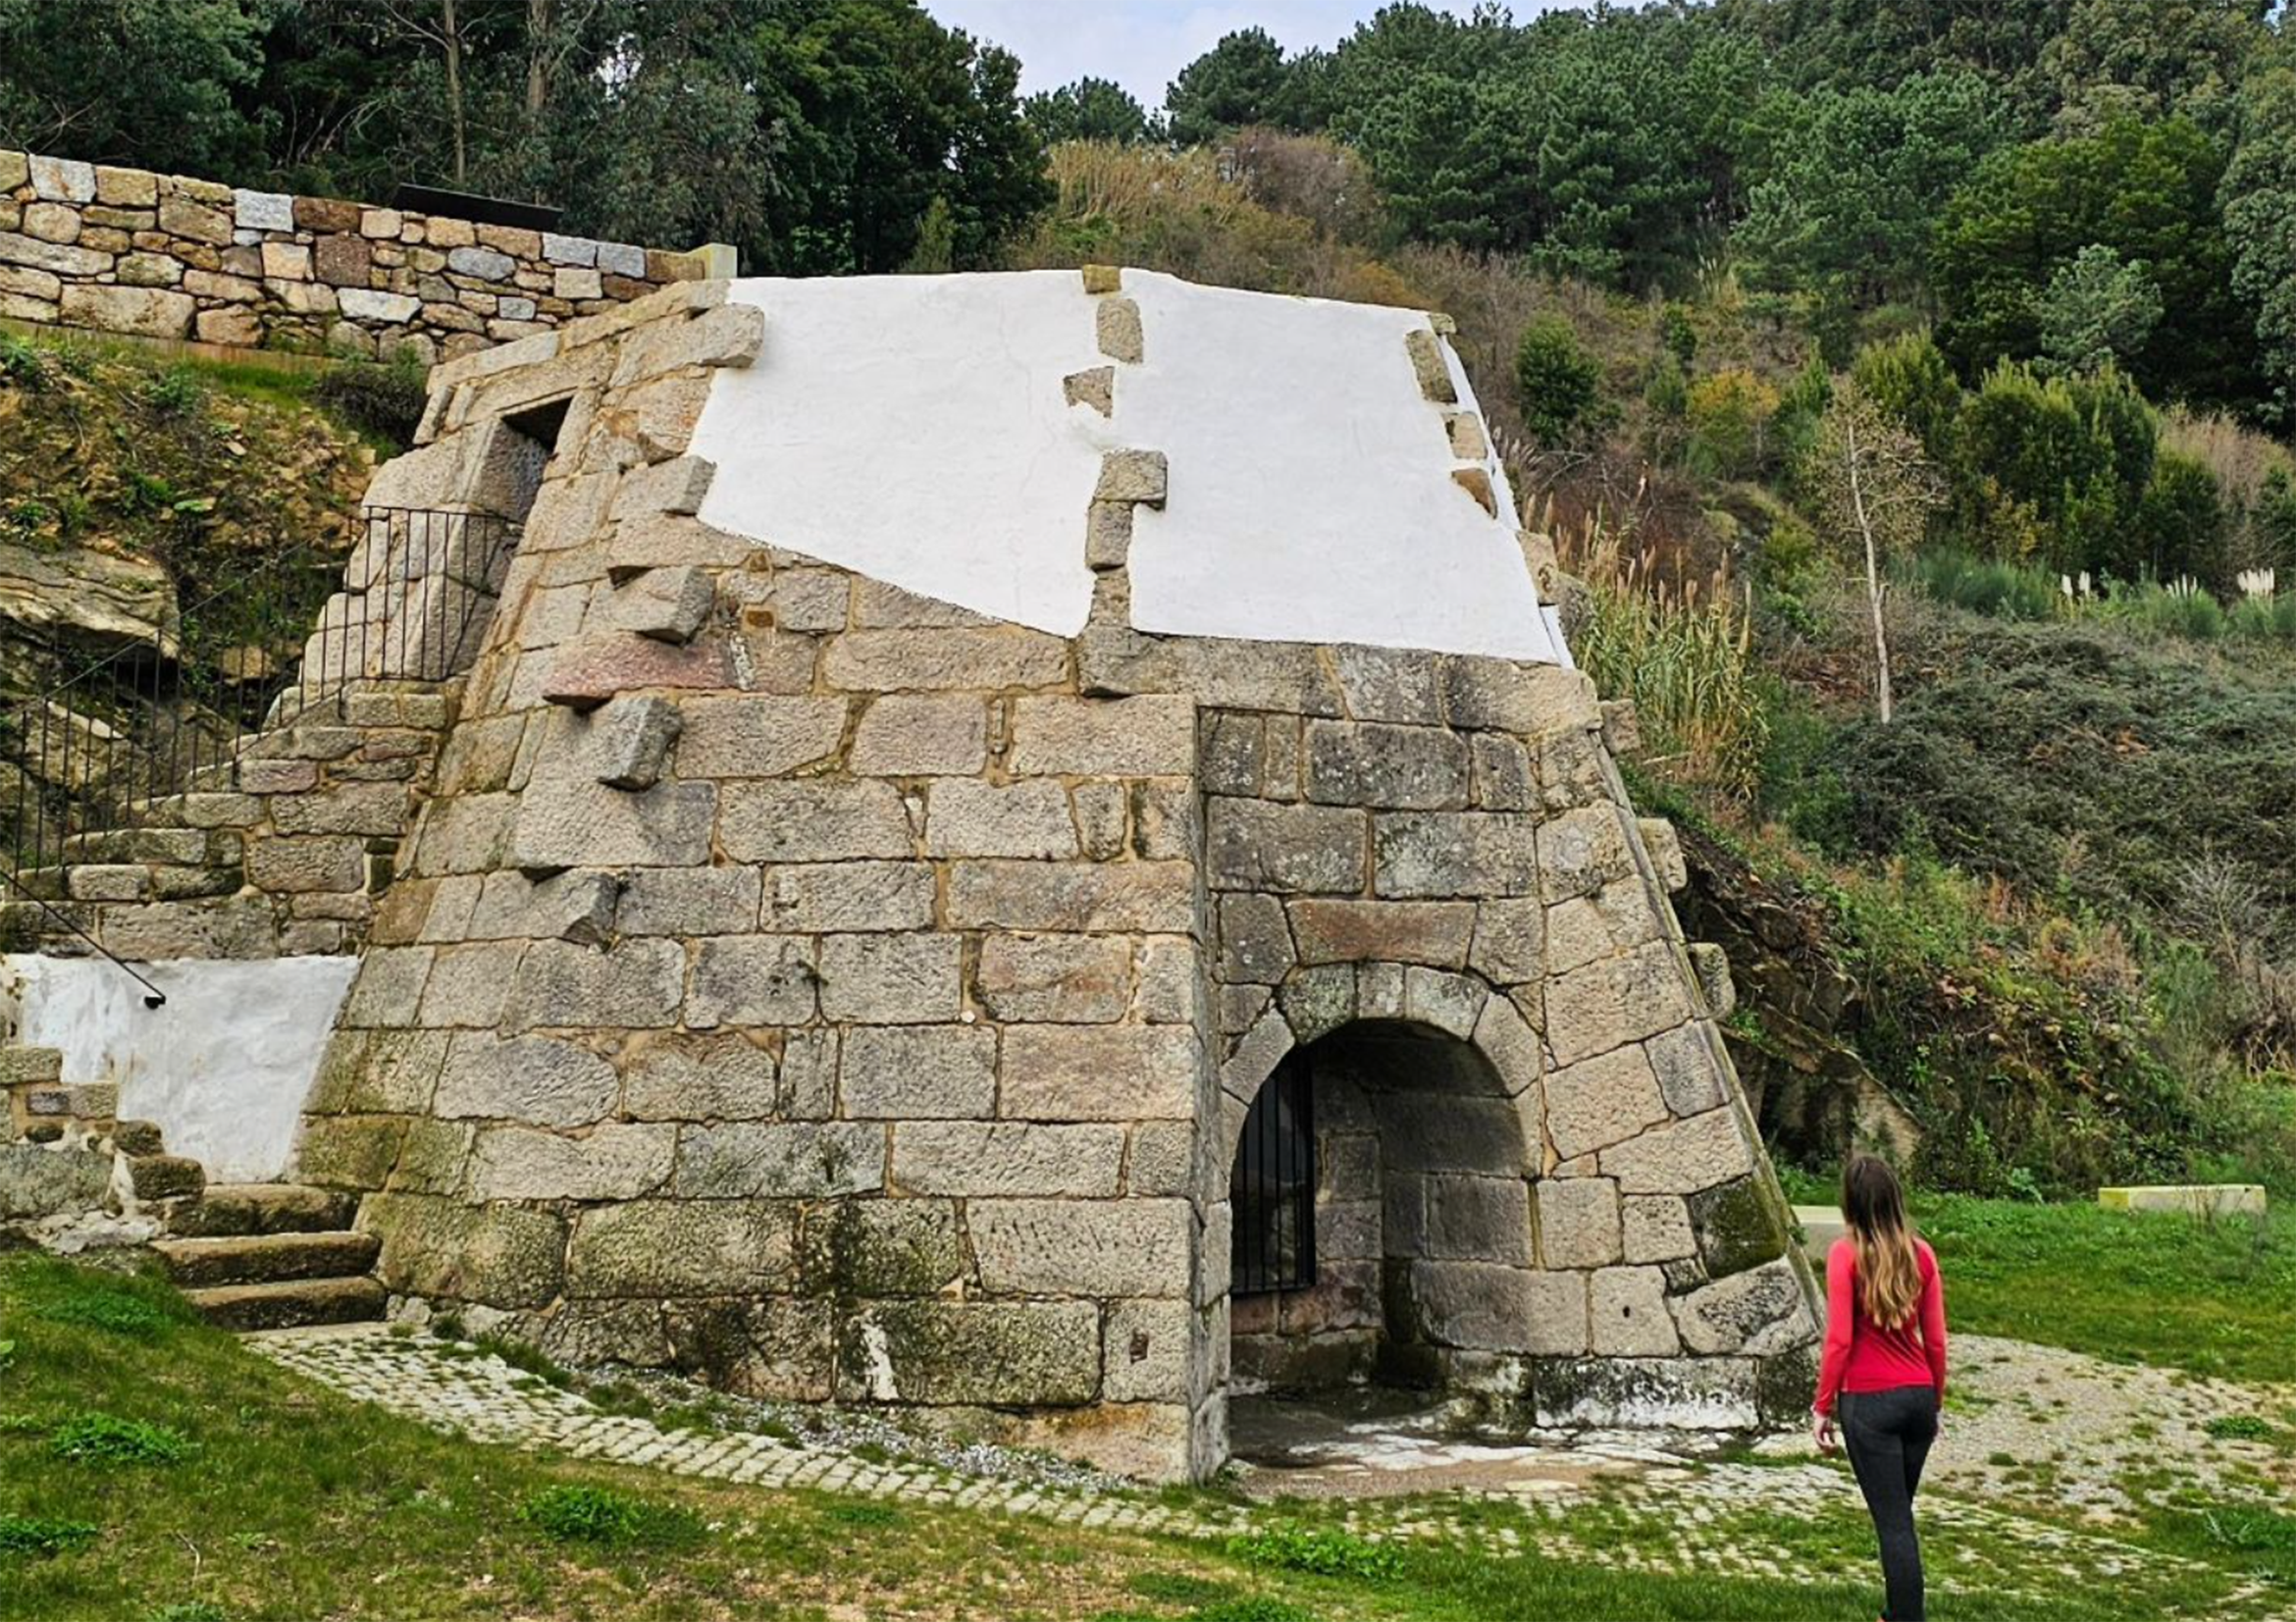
[(1634, 1509)]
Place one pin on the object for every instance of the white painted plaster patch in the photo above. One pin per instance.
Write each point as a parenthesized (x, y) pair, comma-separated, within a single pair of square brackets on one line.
[(913, 428), (1311, 496), (222, 1067)]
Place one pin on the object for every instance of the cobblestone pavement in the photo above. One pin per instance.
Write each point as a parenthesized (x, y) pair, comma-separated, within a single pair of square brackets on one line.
[(1606, 1499)]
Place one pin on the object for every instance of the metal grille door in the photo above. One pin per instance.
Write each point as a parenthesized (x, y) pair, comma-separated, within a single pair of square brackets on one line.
[(1273, 1189)]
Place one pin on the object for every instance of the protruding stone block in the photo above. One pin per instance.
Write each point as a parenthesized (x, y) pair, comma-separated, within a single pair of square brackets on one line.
[(666, 604)]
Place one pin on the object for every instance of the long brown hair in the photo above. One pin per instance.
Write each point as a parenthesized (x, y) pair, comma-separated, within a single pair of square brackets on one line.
[(1889, 1268)]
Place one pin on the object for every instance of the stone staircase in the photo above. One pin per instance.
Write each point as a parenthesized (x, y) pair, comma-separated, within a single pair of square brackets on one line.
[(249, 1256)]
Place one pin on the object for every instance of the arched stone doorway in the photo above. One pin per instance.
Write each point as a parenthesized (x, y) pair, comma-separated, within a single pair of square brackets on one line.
[(1381, 1190)]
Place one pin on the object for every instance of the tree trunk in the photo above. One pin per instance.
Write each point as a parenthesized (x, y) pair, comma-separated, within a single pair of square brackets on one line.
[(450, 34), (537, 53), (1873, 580)]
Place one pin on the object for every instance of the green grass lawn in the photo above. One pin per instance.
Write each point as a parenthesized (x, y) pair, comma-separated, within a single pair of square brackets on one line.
[(152, 1470), (2214, 1298)]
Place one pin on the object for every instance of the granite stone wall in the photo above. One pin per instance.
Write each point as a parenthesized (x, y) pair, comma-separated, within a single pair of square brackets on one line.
[(124, 250)]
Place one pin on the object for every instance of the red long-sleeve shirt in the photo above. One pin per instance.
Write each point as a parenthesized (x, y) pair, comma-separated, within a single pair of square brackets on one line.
[(1860, 1354)]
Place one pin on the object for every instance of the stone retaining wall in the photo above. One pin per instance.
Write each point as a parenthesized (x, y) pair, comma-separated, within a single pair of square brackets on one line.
[(283, 851), (123, 250)]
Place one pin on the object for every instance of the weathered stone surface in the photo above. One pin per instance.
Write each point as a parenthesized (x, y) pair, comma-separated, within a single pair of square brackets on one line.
[(1761, 1311), (877, 1248), (680, 1247), (1150, 736), (1116, 322), (38, 1180), (1655, 1227), (813, 821), (918, 1073), (779, 1160), (951, 660), (1089, 1247), (1433, 933), (1581, 851), (1738, 1227), (1687, 1066), (1619, 1000), (849, 897), (562, 822), (611, 1161), (1509, 946), (1438, 853), (1578, 1223), (1057, 979), (1099, 1072), (1394, 767), (694, 1078), (633, 741), (1007, 1158), (498, 1256), (589, 671), (1292, 850), (1255, 939), (1601, 1101), (891, 979), (1156, 897), (535, 1079), (752, 980), (754, 735), (148, 312), (666, 604), (1481, 1306), (484, 263), (1627, 1309), (1037, 1352), (1681, 1157), (634, 983), (968, 817), (921, 735)]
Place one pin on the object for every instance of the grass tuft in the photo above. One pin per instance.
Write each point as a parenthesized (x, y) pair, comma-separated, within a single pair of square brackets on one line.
[(605, 1518), (107, 1440), (1318, 1550), (43, 1537)]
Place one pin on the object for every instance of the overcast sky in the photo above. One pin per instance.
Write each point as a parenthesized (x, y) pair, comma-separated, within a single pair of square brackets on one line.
[(1143, 44)]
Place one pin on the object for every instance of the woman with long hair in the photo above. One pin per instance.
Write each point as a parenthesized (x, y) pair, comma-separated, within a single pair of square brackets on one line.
[(1884, 1369)]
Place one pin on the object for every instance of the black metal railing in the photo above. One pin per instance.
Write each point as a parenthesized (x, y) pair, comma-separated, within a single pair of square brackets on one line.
[(1272, 1190), (177, 709)]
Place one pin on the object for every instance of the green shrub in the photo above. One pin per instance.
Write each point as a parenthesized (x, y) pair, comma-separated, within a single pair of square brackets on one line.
[(2179, 609), (385, 399), (1323, 1551), (1992, 586), (188, 1610), (1558, 384), (21, 365), (178, 392), (1258, 1608), (38, 1536), (2262, 618), (2240, 1428), (1730, 414), (107, 1440), (607, 1518)]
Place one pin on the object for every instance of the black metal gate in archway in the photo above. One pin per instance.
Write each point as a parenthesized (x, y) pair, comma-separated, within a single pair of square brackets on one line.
[(1272, 1190)]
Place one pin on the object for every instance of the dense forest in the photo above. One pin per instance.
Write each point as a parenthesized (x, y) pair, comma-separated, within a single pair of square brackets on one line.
[(1908, 389)]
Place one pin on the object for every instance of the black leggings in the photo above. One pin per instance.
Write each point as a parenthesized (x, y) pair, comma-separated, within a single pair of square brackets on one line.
[(1888, 1435)]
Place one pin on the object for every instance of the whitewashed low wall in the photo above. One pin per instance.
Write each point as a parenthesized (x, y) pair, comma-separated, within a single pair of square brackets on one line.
[(222, 1067)]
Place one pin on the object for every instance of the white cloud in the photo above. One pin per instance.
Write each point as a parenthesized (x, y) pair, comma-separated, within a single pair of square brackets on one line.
[(1143, 44)]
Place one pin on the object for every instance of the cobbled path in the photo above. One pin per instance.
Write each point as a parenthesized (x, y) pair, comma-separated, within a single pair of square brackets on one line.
[(1637, 1511)]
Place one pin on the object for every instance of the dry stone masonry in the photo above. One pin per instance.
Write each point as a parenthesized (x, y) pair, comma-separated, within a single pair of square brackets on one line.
[(123, 250), (847, 994)]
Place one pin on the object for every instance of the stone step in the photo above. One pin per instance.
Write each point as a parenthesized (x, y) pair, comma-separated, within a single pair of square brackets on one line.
[(147, 847), (267, 1258), (241, 1208), (164, 1177), (292, 1304)]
